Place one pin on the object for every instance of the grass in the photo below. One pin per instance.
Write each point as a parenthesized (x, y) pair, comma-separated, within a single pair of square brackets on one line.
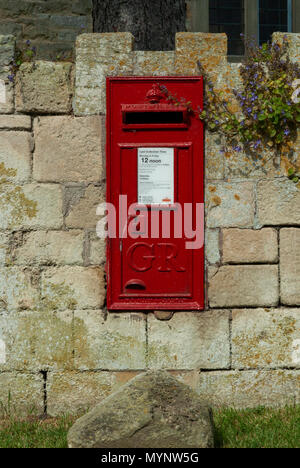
[(258, 428), (253, 428), (34, 432)]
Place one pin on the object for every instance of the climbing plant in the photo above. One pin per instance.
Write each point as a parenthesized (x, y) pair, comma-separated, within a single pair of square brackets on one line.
[(268, 115)]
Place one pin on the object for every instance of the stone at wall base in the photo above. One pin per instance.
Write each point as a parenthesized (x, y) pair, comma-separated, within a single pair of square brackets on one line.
[(153, 410)]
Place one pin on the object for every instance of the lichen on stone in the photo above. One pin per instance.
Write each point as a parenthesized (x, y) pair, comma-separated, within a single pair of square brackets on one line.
[(13, 199)]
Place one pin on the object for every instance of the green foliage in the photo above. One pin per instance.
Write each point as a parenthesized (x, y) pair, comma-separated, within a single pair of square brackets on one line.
[(268, 116), (35, 432), (27, 54), (294, 175), (258, 428)]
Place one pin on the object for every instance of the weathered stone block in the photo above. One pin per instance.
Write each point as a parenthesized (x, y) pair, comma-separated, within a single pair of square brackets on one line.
[(214, 158), (82, 213), (15, 8), (192, 47), (294, 43), (278, 202), (44, 87), (290, 266), (7, 53), (31, 207), (84, 287), (265, 338), (75, 392), (99, 56), (154, 63), (36, 341), (4, 245), (153, 410), (23, 393), (262, 165), (250, 246), (80, 8), (97, 254), (50, 248), (250, 389), (230, 205), (115, 342), (15, 154), (10, 28), (6, 97), (67, 21), (18, 290), (212, 245), (242, 286), (207, 335), (15, 122), (68, 149)]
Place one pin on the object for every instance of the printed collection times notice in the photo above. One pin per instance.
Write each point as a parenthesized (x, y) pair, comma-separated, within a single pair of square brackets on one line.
[(156, 176)]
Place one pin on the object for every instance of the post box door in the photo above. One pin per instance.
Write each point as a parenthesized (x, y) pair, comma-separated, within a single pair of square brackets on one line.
[(155, 161)]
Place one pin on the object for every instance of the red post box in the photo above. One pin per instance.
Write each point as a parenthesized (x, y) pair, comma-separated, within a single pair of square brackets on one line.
[(155, 191)]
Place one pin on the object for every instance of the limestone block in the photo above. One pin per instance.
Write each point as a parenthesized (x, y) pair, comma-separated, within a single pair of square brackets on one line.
[(250, 246), (153, 410), (212, 245), (250, 389), (68, 149), (99, 56), (85, 287), (23, 393), (18, 290), (82, 213), (50, 248), (76, 392), (4, 246), (278, 202), (290, 266), (294, 44), (115, 342), (97, 255), (15, 122), (192, 47), (214, 158), (261, 165), (152, 63), (230, 204), (265, 338), (44, 88), (207, 335), (31, 206), (242, 286), (36, 341), (7, 53), (15, 154)]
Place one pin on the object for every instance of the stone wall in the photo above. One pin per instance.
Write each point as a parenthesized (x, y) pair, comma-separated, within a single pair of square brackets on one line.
[(60, 350), (52, 26)]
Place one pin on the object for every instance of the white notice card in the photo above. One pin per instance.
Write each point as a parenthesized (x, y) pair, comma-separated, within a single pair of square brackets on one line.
[(156, 176)]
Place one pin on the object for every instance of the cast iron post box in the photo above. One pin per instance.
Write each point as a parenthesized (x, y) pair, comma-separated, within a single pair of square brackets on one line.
[(155, 184)]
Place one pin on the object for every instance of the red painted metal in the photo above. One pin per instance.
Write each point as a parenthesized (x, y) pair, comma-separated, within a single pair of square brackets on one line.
[(154, 274)]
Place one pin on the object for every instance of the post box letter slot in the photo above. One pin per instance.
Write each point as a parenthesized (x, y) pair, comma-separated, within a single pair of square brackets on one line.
[(142, 118), (136, 284)]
